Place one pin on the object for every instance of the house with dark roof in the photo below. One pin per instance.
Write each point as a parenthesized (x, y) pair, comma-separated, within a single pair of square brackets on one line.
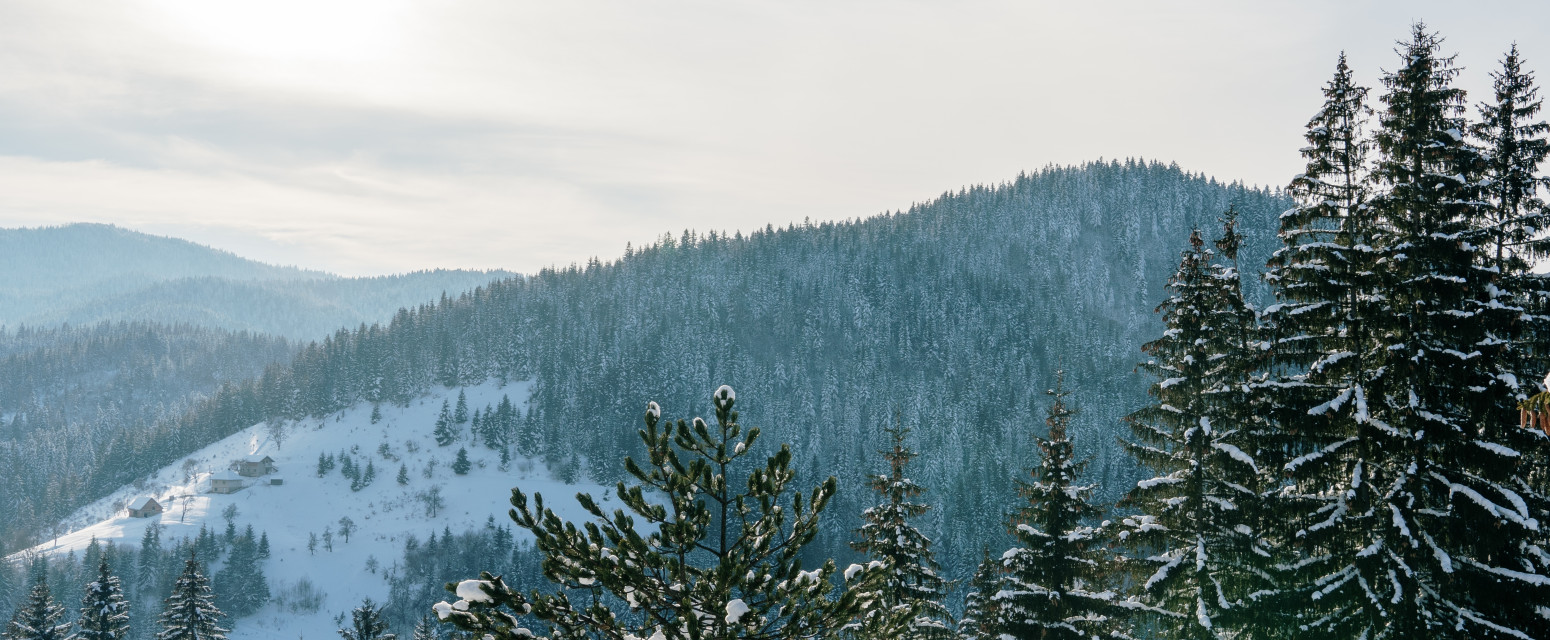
[(254, 466)]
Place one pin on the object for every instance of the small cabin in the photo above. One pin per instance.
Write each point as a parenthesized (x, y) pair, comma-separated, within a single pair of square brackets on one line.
[(254, 466), (225, 482), (143, 507)]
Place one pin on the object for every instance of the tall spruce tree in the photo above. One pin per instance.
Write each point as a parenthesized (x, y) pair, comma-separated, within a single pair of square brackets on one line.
[(242, 586), (1324, 274), (1438, 396), (366, 623), (1514, 144), (39, 617), (911, 587), (426, 630), (104, 612), (714, 564), (979, 606), (1325, 278), (1055, 585), (1194, 527), (1402, 477), (190, 612), (446, 430)]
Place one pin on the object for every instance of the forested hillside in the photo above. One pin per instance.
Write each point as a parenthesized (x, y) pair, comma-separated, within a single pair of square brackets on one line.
[(67, 393), (952, 315)]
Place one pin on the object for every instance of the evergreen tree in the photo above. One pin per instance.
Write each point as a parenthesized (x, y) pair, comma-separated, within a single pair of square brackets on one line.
[(495, 430), (150, 559), (93, 553), (323, 466), (241, 584), (376, 413), (364, 479), (1197, 550), (908, 601), (1515, 147), (205, 542), (367, 624), (403, 474), (444, 432), (477, 428), (1402, 499), (1054, 585), (190, 612), (38, 617), (263, 546), (1325, 278), (1448, 451), (980, 610), (461, 465), (426, 630), (715, 563), (460, 415), (104, 612)]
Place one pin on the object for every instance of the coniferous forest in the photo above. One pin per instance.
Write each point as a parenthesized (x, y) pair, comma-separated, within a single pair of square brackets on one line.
[(1359, 459), (1118, 400)]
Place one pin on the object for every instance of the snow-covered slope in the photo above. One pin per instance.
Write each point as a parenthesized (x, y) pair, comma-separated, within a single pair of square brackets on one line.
[(384, 512)]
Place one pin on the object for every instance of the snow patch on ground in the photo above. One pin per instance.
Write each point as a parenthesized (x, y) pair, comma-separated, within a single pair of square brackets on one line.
[(384, 513)]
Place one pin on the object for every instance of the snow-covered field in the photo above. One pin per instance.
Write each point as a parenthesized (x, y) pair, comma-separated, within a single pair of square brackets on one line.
[(384, 512)]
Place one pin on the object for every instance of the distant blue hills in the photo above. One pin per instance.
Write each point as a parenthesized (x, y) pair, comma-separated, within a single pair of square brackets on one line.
[(87, 273)]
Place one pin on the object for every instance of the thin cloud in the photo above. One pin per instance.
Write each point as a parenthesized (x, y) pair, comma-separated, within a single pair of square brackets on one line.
[(372, 137)]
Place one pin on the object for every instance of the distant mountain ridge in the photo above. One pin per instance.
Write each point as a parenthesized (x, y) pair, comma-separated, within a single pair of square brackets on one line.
[(83, 274)]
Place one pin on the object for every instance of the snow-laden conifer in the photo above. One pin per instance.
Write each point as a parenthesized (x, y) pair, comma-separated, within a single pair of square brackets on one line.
[(446, 429), (979, 607), (366, 623), (190, 612), (910, 587), (104, 612), (1055, 584), (241, 584), (39, 616), (1328, 305), (426, 630), (1514, 145), (1324, 275), (1193, 530), (1406, 501), (1517, 222), (709, 563)]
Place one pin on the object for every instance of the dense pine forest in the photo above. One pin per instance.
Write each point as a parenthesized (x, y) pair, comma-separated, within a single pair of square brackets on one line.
[(1116, 400)]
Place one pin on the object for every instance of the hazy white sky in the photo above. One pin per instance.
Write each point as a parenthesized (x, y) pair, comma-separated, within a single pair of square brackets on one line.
[(378, 136)]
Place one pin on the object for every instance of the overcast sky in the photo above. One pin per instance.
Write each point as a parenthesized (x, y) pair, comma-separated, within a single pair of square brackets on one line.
[(382, 136)]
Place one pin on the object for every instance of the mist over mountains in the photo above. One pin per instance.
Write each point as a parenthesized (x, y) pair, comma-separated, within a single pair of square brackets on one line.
[(83, 274)]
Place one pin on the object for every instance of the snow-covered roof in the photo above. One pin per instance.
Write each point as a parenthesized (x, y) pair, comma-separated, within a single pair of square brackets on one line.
[(141, 502), (257, 458), (226, 475)]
